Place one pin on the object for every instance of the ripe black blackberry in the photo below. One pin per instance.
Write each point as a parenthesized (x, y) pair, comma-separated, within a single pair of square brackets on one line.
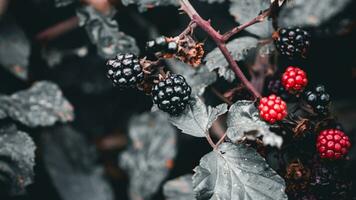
[(275, 87), (172, 47), (161, 44), (292, 42), (318, 99), (171, 94), (329, 182), (125, 70)]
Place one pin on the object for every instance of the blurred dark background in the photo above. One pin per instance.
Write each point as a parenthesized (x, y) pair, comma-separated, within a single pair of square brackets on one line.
[(102, 111)]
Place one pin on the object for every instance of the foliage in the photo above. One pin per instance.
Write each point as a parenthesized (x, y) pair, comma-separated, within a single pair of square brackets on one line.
[(180, 188), (14, 48), (17, 160), (153, 147), (41, 105), (244, 123), (66, 71), (198, 118), (236, 172), (70, 162)]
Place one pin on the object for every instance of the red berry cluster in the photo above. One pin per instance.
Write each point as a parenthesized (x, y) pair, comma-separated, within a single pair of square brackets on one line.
[(272, 108), (332, 144), (294, 79)]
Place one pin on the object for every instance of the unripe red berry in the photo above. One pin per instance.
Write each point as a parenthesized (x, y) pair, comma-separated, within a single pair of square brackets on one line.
[(332, 144), (294, 79), (272, 109)]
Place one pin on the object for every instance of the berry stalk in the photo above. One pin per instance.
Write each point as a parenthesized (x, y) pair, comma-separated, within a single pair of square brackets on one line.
[(220, 42), (258, 19)]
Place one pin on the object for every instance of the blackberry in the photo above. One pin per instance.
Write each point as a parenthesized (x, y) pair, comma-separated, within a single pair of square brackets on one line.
[(171, 94), (332, 144), (156, 45), (275, 87), (294, 79), (329, 182), (272, 108), (172, 47), (125, 70), (161, 44), (292, 42), (318, 99)]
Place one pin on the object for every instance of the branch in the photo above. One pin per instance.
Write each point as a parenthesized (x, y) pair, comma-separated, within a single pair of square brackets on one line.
[(58, 29), (210, 141), (3, 7), (260, 18), (220, 96), (189, 30), (221, 140), (237, 70), (220, 42)]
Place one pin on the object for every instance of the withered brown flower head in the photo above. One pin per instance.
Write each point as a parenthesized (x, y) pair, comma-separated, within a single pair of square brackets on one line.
[(297, 176), (190, 51), (301, 127)]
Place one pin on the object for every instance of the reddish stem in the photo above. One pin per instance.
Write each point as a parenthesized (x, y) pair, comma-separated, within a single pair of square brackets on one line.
[(58, 29), (255, 20), (220, 42), (210, 141), (237, 70), (221, 140), (221, 96), (192, 25)]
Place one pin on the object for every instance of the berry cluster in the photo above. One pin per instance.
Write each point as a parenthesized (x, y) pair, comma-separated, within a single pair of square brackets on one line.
[(294, 79), (125, 70), (171, 94), (292, 42), (318, 99), (162, 45), (332, 144), (272, 108)]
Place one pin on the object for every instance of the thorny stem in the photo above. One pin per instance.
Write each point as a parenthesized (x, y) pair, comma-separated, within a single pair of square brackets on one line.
[(255, 20), (220, 42), (197, 20)]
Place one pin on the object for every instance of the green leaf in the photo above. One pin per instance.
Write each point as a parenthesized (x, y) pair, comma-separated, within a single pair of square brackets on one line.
[(236, 172), (243, 121), (197, 118)]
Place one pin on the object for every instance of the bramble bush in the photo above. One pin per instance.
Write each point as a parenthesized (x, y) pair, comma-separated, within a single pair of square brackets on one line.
[(236, 97)]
